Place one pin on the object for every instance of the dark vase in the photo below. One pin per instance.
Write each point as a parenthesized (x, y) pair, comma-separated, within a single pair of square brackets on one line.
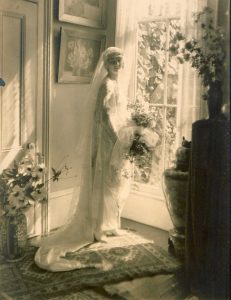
[(214, 100), (182, 158), (175, 188), (13, 230)]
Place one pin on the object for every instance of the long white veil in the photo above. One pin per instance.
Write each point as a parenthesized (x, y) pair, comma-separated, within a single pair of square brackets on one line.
[(79, 231)]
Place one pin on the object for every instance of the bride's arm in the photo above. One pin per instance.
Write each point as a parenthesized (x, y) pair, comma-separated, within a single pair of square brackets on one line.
[(118, 116), (109, 105)]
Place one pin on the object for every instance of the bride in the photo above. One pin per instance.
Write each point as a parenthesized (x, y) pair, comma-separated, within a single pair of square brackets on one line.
[(104, 185)]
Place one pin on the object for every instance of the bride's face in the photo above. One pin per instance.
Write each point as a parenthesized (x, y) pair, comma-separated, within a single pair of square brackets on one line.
[(114, 64)]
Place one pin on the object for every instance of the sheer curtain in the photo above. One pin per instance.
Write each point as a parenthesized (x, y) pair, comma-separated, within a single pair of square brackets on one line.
[(192, 106), (125, 38), (129, 12)]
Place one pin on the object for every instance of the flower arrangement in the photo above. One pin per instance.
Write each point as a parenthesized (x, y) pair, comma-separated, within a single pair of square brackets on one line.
[(24, 183), (205, 54), (144, 139)]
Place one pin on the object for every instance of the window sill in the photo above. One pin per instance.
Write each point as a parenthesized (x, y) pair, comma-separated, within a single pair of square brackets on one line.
[(147, 191), (147, 205)]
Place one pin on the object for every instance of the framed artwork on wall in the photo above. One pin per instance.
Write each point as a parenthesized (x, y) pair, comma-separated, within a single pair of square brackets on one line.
[(79, 53), (83, 12), (34, 1)]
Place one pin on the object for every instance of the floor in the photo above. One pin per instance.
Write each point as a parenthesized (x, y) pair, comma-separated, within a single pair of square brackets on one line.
[(159, 236), (165, 287)]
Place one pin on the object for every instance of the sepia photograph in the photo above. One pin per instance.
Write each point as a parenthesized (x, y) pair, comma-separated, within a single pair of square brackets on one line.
[(83, 12), (79, 53), (115, 150)]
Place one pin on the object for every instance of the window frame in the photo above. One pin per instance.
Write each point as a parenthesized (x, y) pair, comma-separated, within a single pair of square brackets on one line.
[(146, 189)]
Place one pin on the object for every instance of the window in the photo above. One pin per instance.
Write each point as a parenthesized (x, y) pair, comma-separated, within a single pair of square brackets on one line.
[(170, 89), (157, 83), (144, 30)]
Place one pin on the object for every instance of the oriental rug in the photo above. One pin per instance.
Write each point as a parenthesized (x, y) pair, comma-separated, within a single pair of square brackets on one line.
[(121, 258)]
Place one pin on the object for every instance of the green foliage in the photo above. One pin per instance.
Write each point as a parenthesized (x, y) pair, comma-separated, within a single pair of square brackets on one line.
[(151, 62), (141, 114), (205, 54)]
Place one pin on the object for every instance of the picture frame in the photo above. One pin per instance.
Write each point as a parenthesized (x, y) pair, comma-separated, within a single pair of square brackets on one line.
[(33, 1), (79, 54), (90, 13)]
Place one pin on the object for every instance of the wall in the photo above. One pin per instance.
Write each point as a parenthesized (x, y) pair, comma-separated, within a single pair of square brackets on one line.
[(223, 20), (222, 7), (67, 117), (147, 210)]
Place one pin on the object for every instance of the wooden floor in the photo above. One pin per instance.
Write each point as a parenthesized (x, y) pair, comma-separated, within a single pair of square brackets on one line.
[(160, 237), (165, 287)]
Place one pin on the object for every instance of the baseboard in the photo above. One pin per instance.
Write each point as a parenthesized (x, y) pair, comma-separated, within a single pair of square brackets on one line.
[(147, 210), (58, 208), (139, 208)]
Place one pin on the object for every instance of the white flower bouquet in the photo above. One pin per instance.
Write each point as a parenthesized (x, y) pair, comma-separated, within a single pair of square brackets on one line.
[(24, 183), (145, 139)]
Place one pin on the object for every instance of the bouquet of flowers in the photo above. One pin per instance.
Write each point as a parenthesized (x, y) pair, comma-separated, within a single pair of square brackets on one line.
[(144, 139), (24, 183)]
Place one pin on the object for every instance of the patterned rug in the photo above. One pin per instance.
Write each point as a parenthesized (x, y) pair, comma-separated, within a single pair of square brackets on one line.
[(121, 258), (88, 294)]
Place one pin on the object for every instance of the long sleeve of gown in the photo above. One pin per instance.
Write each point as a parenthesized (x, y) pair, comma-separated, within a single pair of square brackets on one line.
[(110, 110)]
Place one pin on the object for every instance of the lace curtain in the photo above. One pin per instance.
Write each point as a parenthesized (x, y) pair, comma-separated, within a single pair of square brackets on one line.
[(125, 39), (129, 12)]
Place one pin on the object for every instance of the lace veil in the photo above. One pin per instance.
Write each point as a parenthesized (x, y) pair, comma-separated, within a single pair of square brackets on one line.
[(79, 230)]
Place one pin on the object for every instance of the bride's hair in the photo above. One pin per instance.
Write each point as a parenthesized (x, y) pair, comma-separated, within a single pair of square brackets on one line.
[(110, 53)]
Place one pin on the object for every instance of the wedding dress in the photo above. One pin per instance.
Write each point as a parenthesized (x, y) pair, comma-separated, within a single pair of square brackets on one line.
[(105, 174)]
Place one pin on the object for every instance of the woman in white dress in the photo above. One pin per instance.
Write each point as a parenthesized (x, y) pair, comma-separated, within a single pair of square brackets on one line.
[(104, 185), (112, 137)]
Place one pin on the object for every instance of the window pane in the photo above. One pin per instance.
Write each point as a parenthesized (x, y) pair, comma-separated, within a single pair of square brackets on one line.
[(143, 175), (170, 137), (153, 165), (173, 65), (151, 61), (158, 84), (172, 88), (155, 172)]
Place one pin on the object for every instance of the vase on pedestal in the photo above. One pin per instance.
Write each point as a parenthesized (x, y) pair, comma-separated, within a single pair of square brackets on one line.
[(175, 186), (13, 239), (214, 101)]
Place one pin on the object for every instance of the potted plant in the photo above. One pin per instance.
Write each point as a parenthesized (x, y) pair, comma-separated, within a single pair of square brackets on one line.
[(20, 187), (206, 54)]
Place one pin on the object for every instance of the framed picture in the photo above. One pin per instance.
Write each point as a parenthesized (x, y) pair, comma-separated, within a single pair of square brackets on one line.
[(84, 12), (34, 1), (79, 53)]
